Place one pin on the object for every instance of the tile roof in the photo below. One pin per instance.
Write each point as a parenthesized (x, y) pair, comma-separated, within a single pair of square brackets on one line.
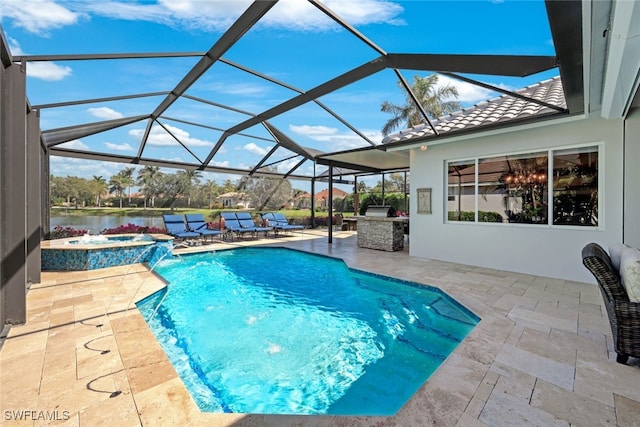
[(502, 109)]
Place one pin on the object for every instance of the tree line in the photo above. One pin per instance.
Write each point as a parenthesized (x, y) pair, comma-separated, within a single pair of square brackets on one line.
[(183, 188)]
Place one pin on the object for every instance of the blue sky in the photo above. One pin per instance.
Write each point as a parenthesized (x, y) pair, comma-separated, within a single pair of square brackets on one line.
[(293, 43)]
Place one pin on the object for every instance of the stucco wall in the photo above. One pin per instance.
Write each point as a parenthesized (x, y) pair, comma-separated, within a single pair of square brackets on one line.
[(530, 249)]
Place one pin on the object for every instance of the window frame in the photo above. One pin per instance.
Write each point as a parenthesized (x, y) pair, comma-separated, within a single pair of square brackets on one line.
[(550, 152)]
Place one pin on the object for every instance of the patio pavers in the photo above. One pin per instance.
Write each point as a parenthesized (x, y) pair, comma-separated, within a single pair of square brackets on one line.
[(541, 355)]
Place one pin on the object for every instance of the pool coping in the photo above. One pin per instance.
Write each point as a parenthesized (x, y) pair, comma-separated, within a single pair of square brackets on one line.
[(63, 244), (495, 374)]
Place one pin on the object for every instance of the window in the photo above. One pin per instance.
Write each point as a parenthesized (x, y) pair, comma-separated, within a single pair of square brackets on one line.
[(575, 186), (516, 188), (461, 191)]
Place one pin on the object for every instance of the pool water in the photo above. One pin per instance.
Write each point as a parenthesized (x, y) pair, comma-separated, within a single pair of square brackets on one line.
[(101, 239), (277, 331)]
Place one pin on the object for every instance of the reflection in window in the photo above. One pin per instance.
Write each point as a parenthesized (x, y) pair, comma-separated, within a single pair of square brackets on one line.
[(461, 191), (524, 181), (558, 187), (575, 186)]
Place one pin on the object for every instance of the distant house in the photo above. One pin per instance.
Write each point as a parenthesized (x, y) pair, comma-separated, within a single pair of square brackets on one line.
[(234, 200), (303, 201)]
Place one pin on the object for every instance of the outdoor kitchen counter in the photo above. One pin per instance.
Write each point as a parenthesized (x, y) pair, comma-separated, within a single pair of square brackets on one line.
[(383, 233)]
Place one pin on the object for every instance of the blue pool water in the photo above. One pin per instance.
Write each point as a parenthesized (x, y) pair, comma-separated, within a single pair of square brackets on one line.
[(101, 239), (277, 331)]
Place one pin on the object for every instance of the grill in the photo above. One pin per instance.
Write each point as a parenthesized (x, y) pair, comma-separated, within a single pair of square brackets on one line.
[(380, 211)]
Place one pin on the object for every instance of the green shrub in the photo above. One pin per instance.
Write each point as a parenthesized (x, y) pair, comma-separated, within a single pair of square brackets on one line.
[(469, 216)]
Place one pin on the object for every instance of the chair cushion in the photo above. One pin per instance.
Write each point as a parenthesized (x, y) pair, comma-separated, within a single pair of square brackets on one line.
[(615, 251), (630, 272)]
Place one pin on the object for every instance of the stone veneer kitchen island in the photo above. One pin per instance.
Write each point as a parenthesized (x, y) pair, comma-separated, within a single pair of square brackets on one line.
[(381, 233)]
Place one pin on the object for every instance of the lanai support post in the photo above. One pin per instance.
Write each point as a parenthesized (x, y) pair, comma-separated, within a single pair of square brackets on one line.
[(45, 193), (356, 197), (13, 189), (404, 190), (330, 204), (33, 198), (313, 203)]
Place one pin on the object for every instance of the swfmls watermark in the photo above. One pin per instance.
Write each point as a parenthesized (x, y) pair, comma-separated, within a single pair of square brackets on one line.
[(31, 415)]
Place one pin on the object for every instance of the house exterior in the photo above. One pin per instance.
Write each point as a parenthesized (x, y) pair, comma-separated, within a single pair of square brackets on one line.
[(234, 200), (303, 201), (527, 198), (544, 247)]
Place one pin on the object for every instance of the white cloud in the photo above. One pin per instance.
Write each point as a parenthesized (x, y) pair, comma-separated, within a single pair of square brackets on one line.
[(243, 89), (159, 137), (224, 164), (301, 15), (255, 149), (363, 12), (76, 144), (286, 165), (219, 15), (105, 113), (467, 93), (83, 168), (37, 16), (335, 140), (119, 147), (190, 14), (320, 133), (48, 71)]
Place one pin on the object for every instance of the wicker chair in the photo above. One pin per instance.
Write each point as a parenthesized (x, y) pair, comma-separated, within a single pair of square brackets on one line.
[(624, 316)]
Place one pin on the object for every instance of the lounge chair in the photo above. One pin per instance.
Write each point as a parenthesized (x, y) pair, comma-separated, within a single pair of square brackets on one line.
[(279, 222), (175, 226), (232, 225), (283, 222), (196, 223), (245, 220), (624, 315)]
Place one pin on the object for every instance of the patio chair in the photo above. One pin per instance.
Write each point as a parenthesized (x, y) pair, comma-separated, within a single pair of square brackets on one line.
[(338, 222), (196, 223), (232, 225), (279, 226), (245, 220), (283, 222), (175, 226), (624, 315)]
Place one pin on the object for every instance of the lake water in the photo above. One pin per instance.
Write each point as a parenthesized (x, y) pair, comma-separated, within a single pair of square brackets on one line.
[(98, 223)]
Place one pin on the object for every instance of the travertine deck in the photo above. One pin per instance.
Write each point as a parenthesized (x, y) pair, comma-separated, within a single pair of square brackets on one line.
[(540, 356)]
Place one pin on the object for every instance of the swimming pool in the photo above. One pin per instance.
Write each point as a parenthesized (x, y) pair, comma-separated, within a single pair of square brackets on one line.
[(277, 331)]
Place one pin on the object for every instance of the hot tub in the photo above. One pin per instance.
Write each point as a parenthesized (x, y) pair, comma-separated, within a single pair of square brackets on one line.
[(90, 252)]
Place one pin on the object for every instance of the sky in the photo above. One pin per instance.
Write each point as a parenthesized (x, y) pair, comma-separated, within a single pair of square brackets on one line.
[(294, 43)]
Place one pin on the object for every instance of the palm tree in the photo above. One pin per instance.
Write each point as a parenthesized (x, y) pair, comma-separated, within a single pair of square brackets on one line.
[(210, 187), (434, 101), (99, 186), (127, 174), (190, 176), (117, 184), (148, 180)]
